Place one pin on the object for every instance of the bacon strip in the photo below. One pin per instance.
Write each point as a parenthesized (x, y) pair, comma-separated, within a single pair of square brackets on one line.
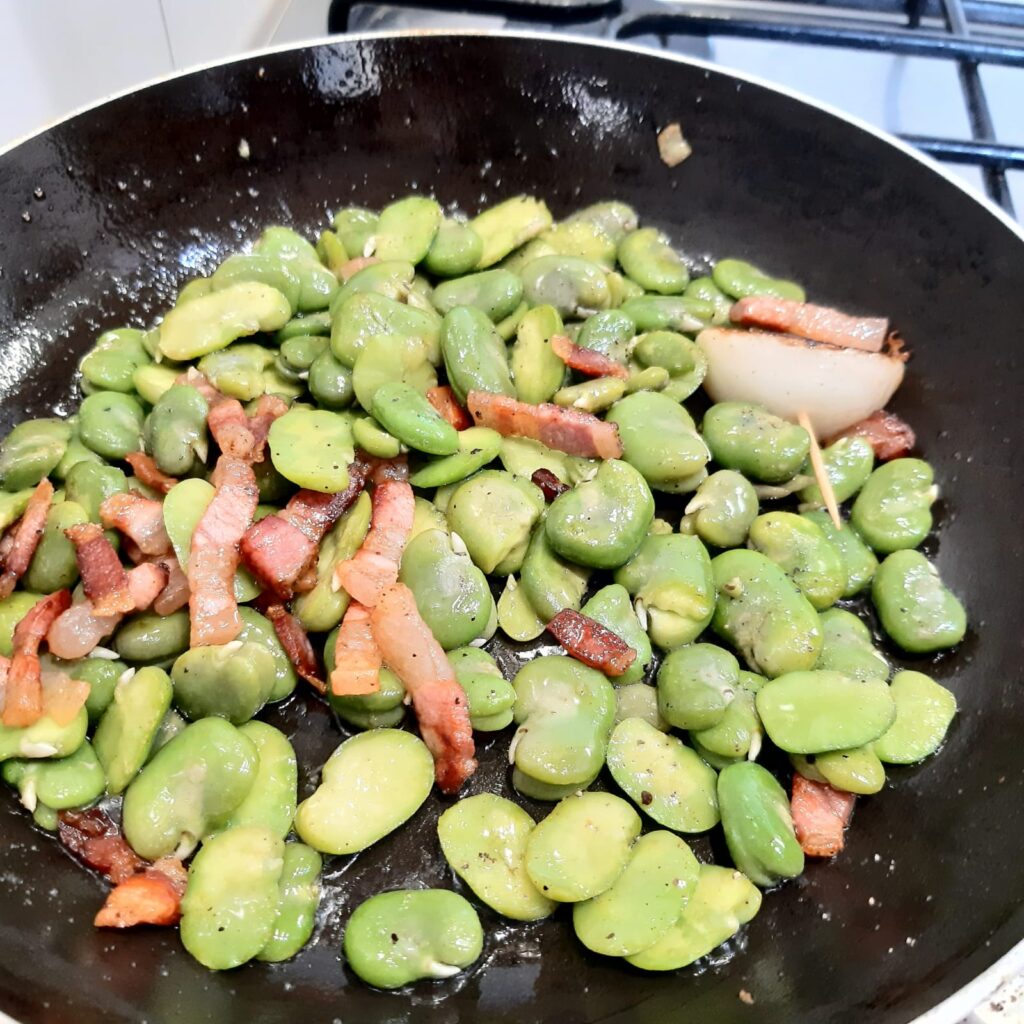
[(296, 644), (104, 579), (268, 408), (357, 657), (411, 651), (587, 361), (816, 323), (174, 594), (443, 399), (139, 518), (24, 538), (214, 554), (23, 693), (590, 642), (94, 838), (383, 470), (568, 430), (887, 434), (230, 429), (820, 813), (148, 472), (152, 897), (549, 483)]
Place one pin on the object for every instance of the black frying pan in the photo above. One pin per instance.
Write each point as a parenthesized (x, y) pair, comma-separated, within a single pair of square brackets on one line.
[(102, 216)]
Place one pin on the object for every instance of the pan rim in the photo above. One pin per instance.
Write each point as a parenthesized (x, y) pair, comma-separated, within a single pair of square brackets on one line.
[(955, 1007)]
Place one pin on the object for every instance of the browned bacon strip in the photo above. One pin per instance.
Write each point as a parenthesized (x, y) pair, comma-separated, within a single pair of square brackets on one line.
[(268, 408), (820, 814), (383, 470), (25, 536), (152, 897), (97, 842), (887, 434), (296, 645), (104, 579), (230, 429), (357, 659), (148, 472), (549, 483), (214, 554), (23, 693), (816, 323), (139, 518), (587, 361), (590, 642), (174, 594), (443, 399), (568, 430)]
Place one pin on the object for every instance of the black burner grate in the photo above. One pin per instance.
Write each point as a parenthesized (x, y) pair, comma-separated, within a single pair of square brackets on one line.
[(965, 31)]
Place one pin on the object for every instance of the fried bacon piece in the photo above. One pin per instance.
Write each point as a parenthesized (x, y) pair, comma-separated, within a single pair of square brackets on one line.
[(174, 593), (104, 579), (568, 430), (587, 361), (21, 541), (94, 838), (23, 692), (296, 644), (148, 472), (410, 649), (887, 434), (590, 642), (816, 323), (139, 518), (268, 408), (443, 399), (357, 657), (549, 483), (152, 897), (820, 813)]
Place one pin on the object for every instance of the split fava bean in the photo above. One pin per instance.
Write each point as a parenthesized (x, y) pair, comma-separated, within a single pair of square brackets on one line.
[(696, 684), (73, 781), (369, 435), (584, 239), (723, 509), (231, 681), (573, 286), (312, 448), (915, 607), (638, 700), (580, 849), (893, 509), (484, 839), (298, 899), (491, 697), (517, 618), (477, 447), (368, 314), (924, 712), (494, 293), (44, 738), (397, 937), (238, 371), (508, 225), (273, 797), (387, 357), (110, 424), (848, 464), (261, 268), (648, 258), (751, 440), (406, 229), (538, 373), (405, 413), (370, 785), (12, 506), (612, 608), (549, 582), (858, 559), (31, 451), (663, 777), (175, 430)]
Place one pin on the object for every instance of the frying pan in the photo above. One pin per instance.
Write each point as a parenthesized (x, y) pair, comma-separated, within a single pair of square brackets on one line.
[(102, 216)]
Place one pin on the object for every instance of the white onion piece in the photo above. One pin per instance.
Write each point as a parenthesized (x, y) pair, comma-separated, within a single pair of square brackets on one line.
[(836, 387)]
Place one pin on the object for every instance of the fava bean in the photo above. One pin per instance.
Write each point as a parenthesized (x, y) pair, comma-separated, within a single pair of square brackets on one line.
[(847, 647), (524, 457), (614, 218), (477, 447), (13, 505), (298, 899), (638, 700), (312, 448), (696, 684), (406, 414), (149, 638), (648, 258), (31, 451), (704, 289), (509, 225), (739, 279), (110, 424), (455, 250), (924, 712), (354, 227), (538, 373), (262, 268), (848, 464), (298, 351), (88, 485), (272, 799), (110, 364), (858, 559), (751, 440), (516, 616), (386, 358), (257, 629), (317, 285), (368, 314), (723, 509), (369, 435), (573, 286), (855, 771), (494, 293), (153, 379), (73, 781), (102, 675), (231, 681), (582, 239), (44, 738), (893, 509), (12, 610), (406, 229), (381, 710), (491, 698), (549, 582), (737, 734), (474, 354), (611, 607), (54, 565), (239, 371), (667, 313), (175, 431), (609, 332), (593, 396)]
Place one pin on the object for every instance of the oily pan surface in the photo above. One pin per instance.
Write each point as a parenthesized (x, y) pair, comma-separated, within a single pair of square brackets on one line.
[(103, 216)]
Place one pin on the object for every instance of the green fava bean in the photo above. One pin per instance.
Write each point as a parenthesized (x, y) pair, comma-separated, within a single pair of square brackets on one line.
[(493, 513), (189, 789), (644, 901), (368, 314), (45, 817), (751, 440), (848, 464), (722, 902), (354, 227), (549, 582), (390, 357), (738, 733), (580, 849), (524, 457), (668, 313), (73, 781), (602, 522), (564, 711), (298, 351), (808, 712), (372, 784), (231, 681), (317, 285), (125, 734), (102, 675), (740, 279), (696, 684), (723, 509), (664, 777), (175, 431), (758, 824), (273, 797), (800, 548), (88, 485), (262, 268), (149, 638), (495, 293), (704, 289), (858, 559), (671, 582), (75, 453), (638, 700), (763, 615), (509, 225), (924, 711), (673, 352), (584, 239), (575, 287), (893, 509), (474, 354), (406, 229), (426, 516), (111, 363), (12, 506), (322, 608), (12, 610), (451, 593), (491, 698), (230, 905), (516, 616), (609, 332), (392, 279), (538, 373), (381, 710), (312, 448), (847, 647), (330, 382), (915, 607), (369, 435), (854, 771), (110, 424), (31, 451), (398, 937), (257, 629), (484, 839), (54, 565), (612, 608), (170, 726), (455, 250), (44, 738), (477, 447), (298, 899), (614, 218), (659, 439), (238, 371), (213, 321), (406, 414), (648, 258), (153, 379), (593, 396)]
